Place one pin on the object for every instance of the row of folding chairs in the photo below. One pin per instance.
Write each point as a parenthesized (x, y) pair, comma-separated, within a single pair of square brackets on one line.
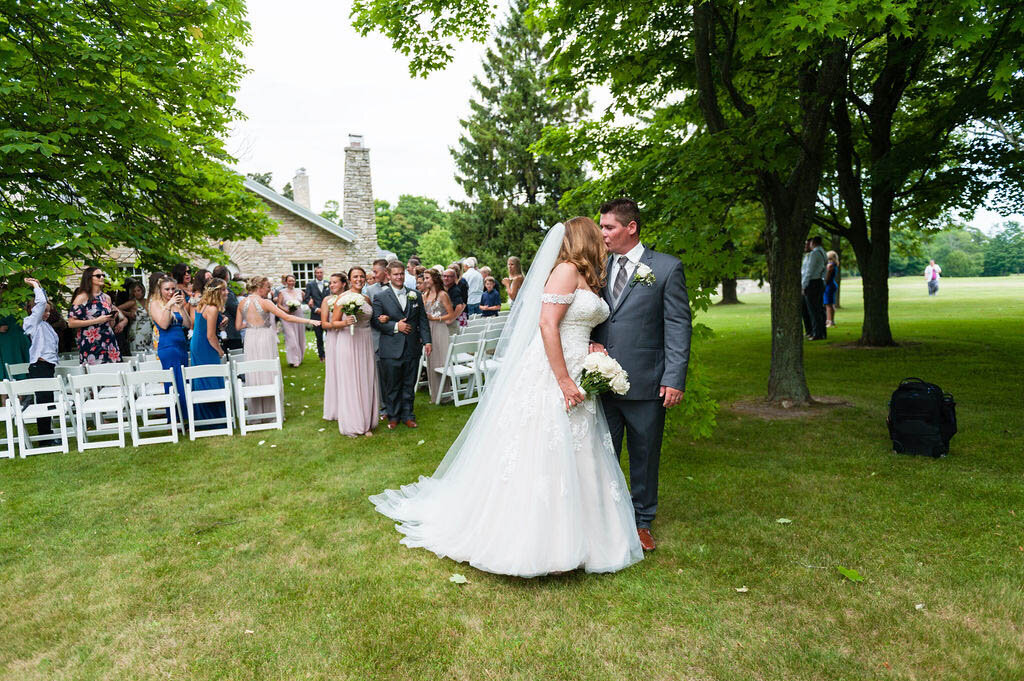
[(468, 365), (16, 370), (141, 401)]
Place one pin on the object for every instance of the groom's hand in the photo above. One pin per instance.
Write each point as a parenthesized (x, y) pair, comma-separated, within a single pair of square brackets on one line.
[(427, 348), (597, 347), (402, 326), (671, 396)]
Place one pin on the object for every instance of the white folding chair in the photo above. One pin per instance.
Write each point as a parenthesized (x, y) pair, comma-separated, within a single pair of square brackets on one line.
[(422, 379), (57, 408), (484, 363), (69, 362), (250, 421), (65, 373), (17, 370), (95, 394), (461, 376), (195, 396), (468, 357), (149, 365), (7, 417), (145, 395)]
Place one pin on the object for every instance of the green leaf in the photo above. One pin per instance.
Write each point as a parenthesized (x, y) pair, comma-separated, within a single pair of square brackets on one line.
[(850, 574), (456, 578)]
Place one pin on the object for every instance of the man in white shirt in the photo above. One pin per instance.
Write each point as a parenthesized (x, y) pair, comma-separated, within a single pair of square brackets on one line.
[(931, 275), (410, 272), (42, 354), (475, 283)]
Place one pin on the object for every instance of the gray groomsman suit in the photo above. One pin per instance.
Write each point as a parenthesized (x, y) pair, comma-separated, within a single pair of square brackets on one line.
[(648, 333)]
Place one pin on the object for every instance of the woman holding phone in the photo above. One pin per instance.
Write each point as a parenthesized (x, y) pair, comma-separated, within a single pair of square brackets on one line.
[(167, 309)]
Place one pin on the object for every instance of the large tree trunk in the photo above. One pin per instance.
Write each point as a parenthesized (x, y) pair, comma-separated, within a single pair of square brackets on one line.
[(875, 277), (729, 296), (786, 379)]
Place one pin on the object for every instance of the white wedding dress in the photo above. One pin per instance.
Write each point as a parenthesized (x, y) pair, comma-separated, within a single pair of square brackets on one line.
[(528, 488)]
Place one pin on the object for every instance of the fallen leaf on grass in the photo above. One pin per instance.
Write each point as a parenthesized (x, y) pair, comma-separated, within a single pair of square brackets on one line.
[(420, 442), (850, 574), (458, 579), (261, 442), (321, 430), (742, 590), (302, 413), (272, 446), (784, 521), (919, 606), (689, 477), (249, 631)]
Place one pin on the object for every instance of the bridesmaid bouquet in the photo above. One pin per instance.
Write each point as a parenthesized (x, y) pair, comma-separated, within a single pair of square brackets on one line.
[(293, 305), (601, 373), (351, 304)]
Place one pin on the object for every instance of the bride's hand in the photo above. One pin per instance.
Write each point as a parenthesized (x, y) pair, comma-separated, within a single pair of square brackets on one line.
[(571, 392)]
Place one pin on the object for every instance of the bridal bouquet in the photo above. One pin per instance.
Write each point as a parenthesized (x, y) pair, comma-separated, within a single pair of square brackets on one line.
[(293, 305), (351, 304), (602, 373)]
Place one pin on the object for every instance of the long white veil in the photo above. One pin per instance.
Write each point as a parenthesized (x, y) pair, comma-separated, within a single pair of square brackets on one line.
[(522, 327)]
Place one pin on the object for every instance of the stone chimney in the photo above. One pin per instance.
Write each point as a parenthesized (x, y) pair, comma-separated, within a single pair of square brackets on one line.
[(300, 188), (358, 213)]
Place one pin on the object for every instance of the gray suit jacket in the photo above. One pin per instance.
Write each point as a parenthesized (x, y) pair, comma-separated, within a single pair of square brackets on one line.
[(395, 345), (648, 332)]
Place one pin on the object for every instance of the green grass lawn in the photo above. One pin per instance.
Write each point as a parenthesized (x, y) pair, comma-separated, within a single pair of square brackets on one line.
[(228, 559)]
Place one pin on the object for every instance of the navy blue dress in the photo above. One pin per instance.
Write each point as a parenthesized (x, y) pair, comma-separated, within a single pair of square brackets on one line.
[(172, 349), (203, 353)]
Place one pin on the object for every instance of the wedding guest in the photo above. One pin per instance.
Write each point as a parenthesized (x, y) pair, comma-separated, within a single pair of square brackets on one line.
[(356, 368), (439, 313), (813, 284), (490, 299), (171, 319), (313, 296), (199, 280), (289, 300), (96, 320), (231, 338), (831, 287), (458, 301), (474, 285), (183, 279), (140, 325), (332, 387), (514, 279), (256, 315), (931, 276), (421, 281), (153, 288), (410, 272), (124, 301), (401, 342), (14, 344), (43, 348), (205, 346), (463, 284), (485, 272)]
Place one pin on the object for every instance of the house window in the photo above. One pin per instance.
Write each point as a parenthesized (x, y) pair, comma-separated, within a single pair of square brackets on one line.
[(303, 273)]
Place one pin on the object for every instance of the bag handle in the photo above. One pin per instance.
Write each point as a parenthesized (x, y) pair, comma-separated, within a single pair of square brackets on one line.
[(913, 379)]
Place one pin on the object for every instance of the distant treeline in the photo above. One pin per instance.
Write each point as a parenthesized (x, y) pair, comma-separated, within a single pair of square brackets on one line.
[(961, 252)]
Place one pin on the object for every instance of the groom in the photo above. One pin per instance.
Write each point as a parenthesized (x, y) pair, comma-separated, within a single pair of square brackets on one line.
[(400, 344), (648, 333)]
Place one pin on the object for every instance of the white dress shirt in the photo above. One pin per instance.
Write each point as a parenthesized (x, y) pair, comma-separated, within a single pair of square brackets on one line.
[(633, 256), (403, 300), (410, 280), (813, 267), (44, 338)]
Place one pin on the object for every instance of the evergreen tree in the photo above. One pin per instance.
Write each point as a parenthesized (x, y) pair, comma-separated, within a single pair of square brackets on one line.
[(512, 192)]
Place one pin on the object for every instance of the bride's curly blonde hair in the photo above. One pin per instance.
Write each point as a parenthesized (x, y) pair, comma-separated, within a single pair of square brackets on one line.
[(583, 246)]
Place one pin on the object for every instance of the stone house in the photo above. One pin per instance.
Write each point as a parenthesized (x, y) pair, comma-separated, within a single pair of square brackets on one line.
[(304, 239)]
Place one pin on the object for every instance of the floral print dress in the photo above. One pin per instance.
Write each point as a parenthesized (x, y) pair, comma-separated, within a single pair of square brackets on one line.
[(97, 343)]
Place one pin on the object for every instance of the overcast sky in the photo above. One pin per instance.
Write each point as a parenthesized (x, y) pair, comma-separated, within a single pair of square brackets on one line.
[(314, 81)]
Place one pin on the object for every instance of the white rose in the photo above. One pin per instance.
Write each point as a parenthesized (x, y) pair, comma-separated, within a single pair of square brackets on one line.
[(620, 384), (607, 366), (642, 271), (411, 295), (590, 362)]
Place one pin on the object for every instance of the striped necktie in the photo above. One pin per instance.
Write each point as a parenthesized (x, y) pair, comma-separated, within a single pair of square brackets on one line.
[(620, 278)]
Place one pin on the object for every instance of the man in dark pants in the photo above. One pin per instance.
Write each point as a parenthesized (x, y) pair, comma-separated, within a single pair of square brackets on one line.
[(648, 333), (42, 352), (813, 283), (402, 338), (316, 291)]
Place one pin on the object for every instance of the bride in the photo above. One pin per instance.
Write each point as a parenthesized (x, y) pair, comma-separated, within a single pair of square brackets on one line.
[(532, 485)]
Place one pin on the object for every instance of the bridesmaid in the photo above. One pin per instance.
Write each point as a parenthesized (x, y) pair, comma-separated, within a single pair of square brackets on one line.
[(205, 345), (331, 387), (256, 315), (440, 313), (294, 334), (356, 366), (96, 319), (171, 319)]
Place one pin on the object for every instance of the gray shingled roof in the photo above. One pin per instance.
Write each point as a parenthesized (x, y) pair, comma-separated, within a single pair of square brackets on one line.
[(303, 212)]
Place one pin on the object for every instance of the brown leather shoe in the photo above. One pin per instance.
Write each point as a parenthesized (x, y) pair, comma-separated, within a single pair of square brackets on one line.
[(411, 423), (646, 539), (392, 425)]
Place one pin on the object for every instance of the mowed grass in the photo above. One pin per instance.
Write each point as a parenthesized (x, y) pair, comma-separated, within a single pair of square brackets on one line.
[(227, 559)]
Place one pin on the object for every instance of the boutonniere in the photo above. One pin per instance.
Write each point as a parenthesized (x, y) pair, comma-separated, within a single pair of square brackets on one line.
[(411, 295), (643, 275)]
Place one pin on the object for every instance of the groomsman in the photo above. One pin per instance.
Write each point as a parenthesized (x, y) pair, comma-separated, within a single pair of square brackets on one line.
[(316, 291), (402, 338)]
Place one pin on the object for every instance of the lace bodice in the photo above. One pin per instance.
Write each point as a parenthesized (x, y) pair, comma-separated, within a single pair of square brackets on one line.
[(586, 310), (266, 317)]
